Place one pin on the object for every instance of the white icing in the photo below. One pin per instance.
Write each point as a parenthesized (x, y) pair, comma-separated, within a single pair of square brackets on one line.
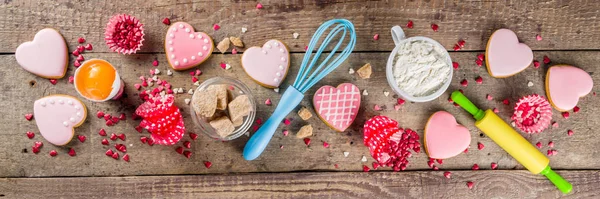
[(180, 25), (268, 46), (70, 102), (420, 68), (171, 49), (191, 36), (199, 36), (43, 103), (174, 29), (200, 54), (275, 80), (281, 50), (171, 42), (77, 108), (185, 60), (264, 52), (276, 43), (176, 63), (61, 101), (171, 35), (205, 41), (193, 57), (282, 58), (187, 30), (204, 47), (72, 120), (78, 113), (51, 101), (278, 74), (281, 67), (65, 123), (172, 56)]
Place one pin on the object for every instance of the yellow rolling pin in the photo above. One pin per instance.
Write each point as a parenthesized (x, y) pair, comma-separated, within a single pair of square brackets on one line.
[(512, 142)]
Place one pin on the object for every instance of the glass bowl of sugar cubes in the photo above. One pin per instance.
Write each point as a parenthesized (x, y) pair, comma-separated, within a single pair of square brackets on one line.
[(223, 108)]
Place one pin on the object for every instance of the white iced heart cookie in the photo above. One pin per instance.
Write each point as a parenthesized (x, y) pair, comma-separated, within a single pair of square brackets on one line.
[(46, 56), (57, 115), (267, 65)]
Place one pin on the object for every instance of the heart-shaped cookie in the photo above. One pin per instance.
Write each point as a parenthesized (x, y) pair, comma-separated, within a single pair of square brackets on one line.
[(505, 56), (185, 48), (337, 107), (267, 65), (565, 85), (444, 138), (46, 56), (57, 115)]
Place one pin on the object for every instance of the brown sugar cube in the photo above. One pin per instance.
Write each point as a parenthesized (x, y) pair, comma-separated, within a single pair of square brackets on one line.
[(223, 45), (304, 113), (221, 92), (204, 103), (305, 131), (236, 41), (239, 107), (238, 122), (365, 71), (223, 126)]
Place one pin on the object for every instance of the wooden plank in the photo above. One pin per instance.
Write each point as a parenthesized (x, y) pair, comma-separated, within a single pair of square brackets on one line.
[(430, 184), (575, 152), (563, 24)]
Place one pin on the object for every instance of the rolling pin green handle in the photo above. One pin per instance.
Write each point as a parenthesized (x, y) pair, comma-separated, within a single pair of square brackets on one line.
[(558, 181), (466, 104)]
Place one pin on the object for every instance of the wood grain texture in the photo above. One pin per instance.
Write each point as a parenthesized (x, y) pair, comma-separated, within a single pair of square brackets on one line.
[(574, 152), (430, 184), (570, 24)]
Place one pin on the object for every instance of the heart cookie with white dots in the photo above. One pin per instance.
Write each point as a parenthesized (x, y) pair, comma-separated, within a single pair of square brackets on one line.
[(505, 56), (565, 85), (57, 115), (185, 48), (46, 56), (268, 65)]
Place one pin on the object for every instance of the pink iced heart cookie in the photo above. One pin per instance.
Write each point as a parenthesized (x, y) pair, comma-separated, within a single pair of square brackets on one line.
[(46, 56), (57, 115), (185, 48), (444, 138), (337, 107), (267, 65), (505, 56), (565, 85)]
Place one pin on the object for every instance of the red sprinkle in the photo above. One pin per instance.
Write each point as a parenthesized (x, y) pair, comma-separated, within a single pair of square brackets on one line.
[(286, 121), (179, 150), (325, 144), (121, 136), (551, 144), (187, 144), (104, 141), (126, 157), (456, 47), (143, 140), (194, 79), (53, 153), (536, 64), (409, 24), (115, 156), (480, 57), (234, 51), (102, 132), (470, 184), (538, 37), (71, 79), (475, 167), (35, 149), (447, 174), (375, 165), (216, 27), (89, 47), (464, 83), (538, 145), (207, 164), (187, 154), (81, 138), (285, 132), (28, 116), (479, 63), (223, 65), (193, 136), (53, 81), (38, 144), (198, 72), (75, 53), (439, 161), (565, 115), (434, 27), (155, 62), (81, 49), (166, 21), (505, 102), (489, 97), (496, 110), (72, 152), (109, 152), (461, 43), (376, 37), (30, 134), (307, 141), (113, 137), (494, 165), (479, 80), (400, 101), (576, 109), (570, 132), (259, 6), (81, 40), (546, 59), (480, 146), (366, 168), (268, 102), (139, 129), (107, 117), (455, 65)]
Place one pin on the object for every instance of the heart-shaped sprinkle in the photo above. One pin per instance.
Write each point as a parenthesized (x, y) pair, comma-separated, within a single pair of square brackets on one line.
[(337, 107), (57, 115), (185, 48), (45, 56), (444, 138), (565, 85), (505, 56), (268, 65)]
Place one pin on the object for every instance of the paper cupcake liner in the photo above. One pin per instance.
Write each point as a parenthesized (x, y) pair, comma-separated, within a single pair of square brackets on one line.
[(124, 34), (532, 114)]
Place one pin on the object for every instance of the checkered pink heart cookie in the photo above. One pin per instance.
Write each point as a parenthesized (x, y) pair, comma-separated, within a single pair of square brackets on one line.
[(185, 48), (337, 107)]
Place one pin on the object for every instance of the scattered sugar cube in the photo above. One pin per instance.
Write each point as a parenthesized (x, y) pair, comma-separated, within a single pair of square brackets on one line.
[(220, 91), (304, 113), (244, 30), (239, 107), (365, 71), (305, 131), (204, 103), (223, 126)]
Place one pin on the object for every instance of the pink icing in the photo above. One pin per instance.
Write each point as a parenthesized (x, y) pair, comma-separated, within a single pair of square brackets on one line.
[(57, 115), (444, 138), (566, 84), (267, 65), (45, 56), (505, 55), (339, 106), (185, 48)]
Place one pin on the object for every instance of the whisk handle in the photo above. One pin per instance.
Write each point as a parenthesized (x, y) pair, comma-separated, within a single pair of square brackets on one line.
[(259, 141)]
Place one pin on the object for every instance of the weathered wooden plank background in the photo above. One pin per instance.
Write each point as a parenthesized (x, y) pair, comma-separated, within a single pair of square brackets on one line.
[(569, 29)]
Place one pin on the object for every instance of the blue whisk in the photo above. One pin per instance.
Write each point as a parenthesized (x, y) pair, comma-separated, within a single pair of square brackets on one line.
[(305, 80)]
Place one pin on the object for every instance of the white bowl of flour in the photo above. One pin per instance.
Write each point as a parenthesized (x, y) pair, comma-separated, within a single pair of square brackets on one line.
[(419, 69)]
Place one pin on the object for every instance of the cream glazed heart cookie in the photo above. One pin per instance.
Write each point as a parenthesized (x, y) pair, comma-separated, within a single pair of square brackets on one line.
[(46, 56), (505, 56), (444, 138), (57, 115), (565, 85), (185, 48), (337, 107), (267, 65)]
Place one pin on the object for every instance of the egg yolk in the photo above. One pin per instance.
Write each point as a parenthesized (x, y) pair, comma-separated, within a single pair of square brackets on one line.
[(95, 79)]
